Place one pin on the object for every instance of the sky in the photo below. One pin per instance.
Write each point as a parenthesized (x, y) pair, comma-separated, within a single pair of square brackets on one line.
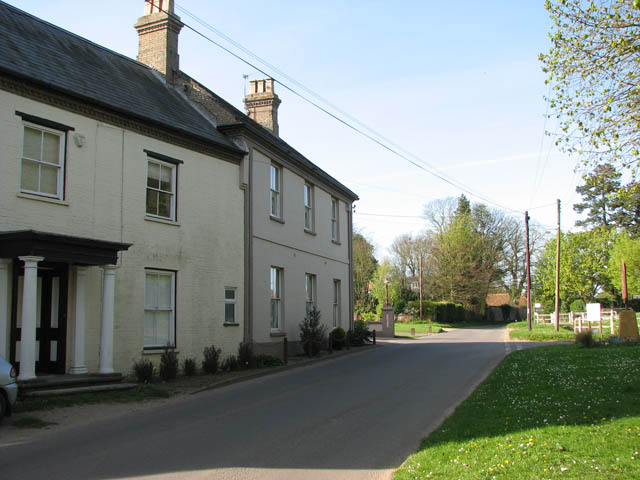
[(457, 85)]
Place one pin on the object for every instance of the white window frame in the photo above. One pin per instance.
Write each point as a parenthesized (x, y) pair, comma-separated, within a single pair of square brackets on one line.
[(335, 220), (308, 207), (231, 302), (336, 302), (173, 193), (275, 298), (62, 135), (310, 292), (275, 191), (154, 308)]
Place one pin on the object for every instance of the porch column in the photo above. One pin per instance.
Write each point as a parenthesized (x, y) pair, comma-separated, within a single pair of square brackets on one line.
[(4, 306), (106, 330), (77, 359), (29, 311)]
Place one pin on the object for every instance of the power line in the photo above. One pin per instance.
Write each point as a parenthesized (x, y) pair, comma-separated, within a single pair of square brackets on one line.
[(380, 141)]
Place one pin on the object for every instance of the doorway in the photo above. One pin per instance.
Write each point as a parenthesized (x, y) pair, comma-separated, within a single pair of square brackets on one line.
[(51, 316)]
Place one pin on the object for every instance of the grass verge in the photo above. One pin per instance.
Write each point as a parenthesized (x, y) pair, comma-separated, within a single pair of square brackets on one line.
[(553, 412), (137, 394), (544, 333), (401, 327)]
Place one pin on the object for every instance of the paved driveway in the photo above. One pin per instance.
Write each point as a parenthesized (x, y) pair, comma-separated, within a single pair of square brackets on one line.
[(358, 416)]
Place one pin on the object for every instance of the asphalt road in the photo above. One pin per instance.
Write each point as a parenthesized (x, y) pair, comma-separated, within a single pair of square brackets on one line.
[(355, 417)]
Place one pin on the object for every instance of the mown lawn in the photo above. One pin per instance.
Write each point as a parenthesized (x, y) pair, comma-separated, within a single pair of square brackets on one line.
[(553, 412), (539, 333), (401, 327)]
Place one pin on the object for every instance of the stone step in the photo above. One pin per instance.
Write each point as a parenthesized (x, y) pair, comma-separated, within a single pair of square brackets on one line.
[(53, 392), (47, 382)]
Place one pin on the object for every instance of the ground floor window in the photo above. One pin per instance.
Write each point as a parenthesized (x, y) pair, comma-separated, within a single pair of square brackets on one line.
[(276, 298), (159, 308), (310, 290), (230, 305), (336, 303)]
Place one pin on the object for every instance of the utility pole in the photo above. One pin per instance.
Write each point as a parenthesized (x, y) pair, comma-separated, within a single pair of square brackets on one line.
[(526, 228), (557, 319), (420, 284)]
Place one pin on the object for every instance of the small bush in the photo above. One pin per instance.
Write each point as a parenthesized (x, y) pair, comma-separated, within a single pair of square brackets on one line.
[(230, 364), (578, 306), (189, 366), (211, 359), (246, 358), (360, 333), (369, 317), (338, 338), (267, 361), (313, 335), (585, 339), (168, 364), (143, 370)]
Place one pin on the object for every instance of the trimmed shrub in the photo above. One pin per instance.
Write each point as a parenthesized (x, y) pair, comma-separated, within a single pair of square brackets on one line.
[(211, 359), (313, 335), (143, 370), (338, 338), (585, 339), (246, 358), (369, 317), (189, 367), (168, 364), (267, 361), (578, 306), (230, 364), (359, 335)]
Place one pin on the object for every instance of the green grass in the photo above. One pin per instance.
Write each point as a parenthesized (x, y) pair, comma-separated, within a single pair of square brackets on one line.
[(401, 327), (32, 422), (137, 394), (540, 333), (553, 412)]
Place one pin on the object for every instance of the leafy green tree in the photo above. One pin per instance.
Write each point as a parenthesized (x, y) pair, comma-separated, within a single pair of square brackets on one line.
[(599, 196), (584, 259), (364, 266), (386, 270), (627, 216), (628, 249), (593, 68)]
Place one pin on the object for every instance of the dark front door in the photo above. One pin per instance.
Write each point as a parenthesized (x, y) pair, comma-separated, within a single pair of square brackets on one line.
[(51, 316)]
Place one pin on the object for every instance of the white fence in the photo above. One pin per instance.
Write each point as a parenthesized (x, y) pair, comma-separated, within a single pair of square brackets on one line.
[(580, 321)]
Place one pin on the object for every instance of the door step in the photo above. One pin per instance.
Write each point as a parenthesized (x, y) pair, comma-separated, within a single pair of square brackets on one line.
[(52, 385), (54, 392)]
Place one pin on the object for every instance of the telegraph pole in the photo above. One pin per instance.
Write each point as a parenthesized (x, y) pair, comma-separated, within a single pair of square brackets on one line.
[(526, 229), (420, 284), (557, 319)]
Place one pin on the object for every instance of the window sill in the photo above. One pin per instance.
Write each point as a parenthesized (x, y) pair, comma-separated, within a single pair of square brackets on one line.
[(40, 198), (336, 242), (310, 232), (278, 334), (276, 219), (226, 324), (157, 350), (162, 220)]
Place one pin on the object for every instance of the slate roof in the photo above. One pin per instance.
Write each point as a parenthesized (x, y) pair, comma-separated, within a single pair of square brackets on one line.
[(45, 54)]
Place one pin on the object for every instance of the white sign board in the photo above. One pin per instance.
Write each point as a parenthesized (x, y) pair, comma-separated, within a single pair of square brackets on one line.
[(593, 312)]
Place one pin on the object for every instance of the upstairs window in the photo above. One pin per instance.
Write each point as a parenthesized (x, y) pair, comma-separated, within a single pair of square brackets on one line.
[(310, 290), (161, 189), (275, 191), (335, 216), (308, 207), (42, 161)]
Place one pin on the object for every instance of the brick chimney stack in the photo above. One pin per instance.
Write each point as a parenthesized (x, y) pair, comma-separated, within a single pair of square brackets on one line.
[(158, 32), (262, 104)]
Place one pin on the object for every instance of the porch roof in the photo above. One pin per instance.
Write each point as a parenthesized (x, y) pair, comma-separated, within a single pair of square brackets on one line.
[(55, 247)]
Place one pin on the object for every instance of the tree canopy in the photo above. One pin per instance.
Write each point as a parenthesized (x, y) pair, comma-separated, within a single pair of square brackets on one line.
[(593, 66), (364, 266), (599, 196)]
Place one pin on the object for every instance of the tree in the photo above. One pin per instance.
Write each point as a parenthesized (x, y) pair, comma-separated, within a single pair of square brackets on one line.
[(467, 249), (406, 251), (364, 266), (628, 249), (627, 216), (599, 196), (385, 271), (583, 267), (593, 67)]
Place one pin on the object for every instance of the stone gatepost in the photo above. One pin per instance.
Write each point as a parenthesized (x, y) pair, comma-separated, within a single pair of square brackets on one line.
[(387, 322)]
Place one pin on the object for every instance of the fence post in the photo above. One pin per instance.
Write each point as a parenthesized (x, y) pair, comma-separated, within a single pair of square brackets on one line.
[(285, 348), (374, 337), (612, 323), (580, 318)]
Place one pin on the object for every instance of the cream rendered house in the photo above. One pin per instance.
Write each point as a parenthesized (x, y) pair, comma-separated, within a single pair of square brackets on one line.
[(121, 210), (298, 219)]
